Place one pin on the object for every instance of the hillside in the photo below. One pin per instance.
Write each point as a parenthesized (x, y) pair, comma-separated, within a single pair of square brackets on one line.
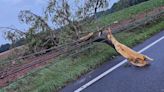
[(64, 70)]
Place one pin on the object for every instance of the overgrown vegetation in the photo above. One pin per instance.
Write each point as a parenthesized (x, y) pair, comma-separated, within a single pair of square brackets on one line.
[(4, 47), (57, 74)]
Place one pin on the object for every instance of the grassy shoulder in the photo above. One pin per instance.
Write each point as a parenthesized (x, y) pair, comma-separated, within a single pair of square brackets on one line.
[(62, 71), (125, 13)]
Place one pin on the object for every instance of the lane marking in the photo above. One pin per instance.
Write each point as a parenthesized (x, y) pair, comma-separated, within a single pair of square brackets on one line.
[(114, 67)]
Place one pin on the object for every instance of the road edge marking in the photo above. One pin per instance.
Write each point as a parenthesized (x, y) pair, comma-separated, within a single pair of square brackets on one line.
[(115, 67)]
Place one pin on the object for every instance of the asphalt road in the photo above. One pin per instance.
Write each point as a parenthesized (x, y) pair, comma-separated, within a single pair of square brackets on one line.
[(125, 78)]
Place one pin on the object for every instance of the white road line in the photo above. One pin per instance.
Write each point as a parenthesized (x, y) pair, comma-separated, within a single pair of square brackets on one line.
[(114, 67)]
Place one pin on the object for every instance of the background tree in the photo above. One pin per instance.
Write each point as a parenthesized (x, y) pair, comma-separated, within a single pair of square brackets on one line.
[(4, 47), (124, 4), (13, 35)]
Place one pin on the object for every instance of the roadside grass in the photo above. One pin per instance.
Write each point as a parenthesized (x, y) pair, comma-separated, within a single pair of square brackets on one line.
[(60, 72), (124, 14)]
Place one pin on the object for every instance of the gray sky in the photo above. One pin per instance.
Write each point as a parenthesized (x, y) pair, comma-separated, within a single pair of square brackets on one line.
[(9, 10)]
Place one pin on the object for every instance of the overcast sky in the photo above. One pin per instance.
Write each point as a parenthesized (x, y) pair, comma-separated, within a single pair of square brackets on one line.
[(9, 10)]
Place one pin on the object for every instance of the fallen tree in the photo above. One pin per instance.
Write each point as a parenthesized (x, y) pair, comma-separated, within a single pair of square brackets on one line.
[(132, 56)]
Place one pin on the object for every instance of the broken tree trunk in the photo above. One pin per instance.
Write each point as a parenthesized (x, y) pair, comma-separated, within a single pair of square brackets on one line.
[(132, 56)]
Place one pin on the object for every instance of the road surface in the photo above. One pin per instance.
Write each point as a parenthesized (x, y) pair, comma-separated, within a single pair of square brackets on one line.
[(116, 76)]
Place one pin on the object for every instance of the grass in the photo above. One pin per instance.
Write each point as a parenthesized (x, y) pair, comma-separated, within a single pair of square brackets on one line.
[(57, 74), (125, 13)]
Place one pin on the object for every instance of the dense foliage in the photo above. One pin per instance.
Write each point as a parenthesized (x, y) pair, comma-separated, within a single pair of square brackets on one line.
[(4, 47)]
